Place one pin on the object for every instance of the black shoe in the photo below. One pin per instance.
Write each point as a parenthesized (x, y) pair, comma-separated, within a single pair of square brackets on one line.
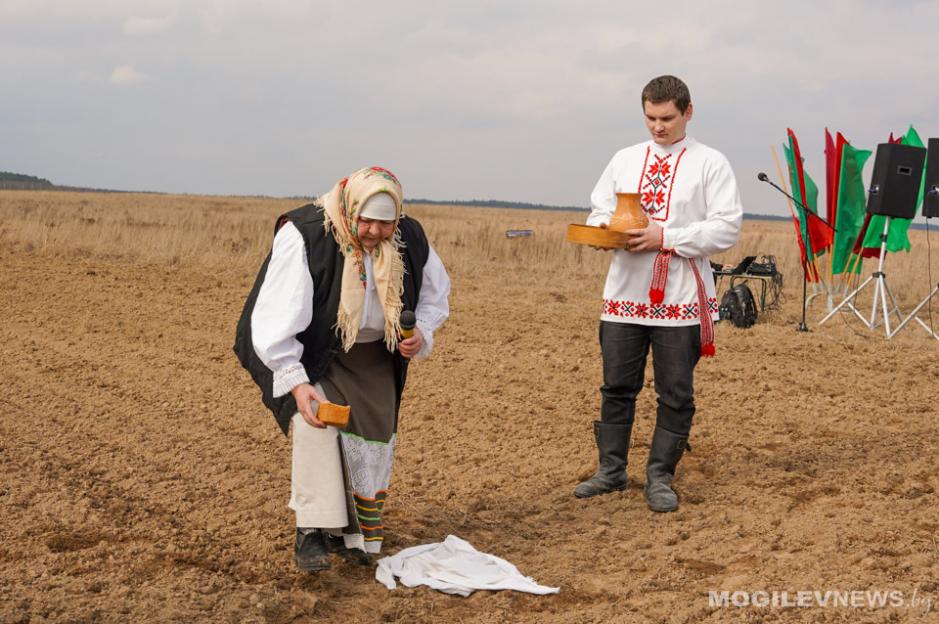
[(336, 544), (356, 556), (664, 454), (310, 551), (613, 444)]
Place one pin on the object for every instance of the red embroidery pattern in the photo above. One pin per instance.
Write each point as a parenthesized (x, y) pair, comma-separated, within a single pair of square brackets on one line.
[(656, 182), (659, 311)]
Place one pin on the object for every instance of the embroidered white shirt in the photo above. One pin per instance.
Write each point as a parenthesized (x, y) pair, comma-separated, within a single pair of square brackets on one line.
[(284, 308), (690, 191)]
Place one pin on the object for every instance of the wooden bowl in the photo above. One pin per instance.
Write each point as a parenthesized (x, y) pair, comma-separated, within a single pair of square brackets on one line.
[(596, 236)]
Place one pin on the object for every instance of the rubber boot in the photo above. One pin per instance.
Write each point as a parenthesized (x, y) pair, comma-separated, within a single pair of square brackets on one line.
[(667, 448), (613, 444)]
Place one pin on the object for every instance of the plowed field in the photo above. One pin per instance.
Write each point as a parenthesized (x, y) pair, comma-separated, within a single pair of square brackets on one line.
[(142, 480)]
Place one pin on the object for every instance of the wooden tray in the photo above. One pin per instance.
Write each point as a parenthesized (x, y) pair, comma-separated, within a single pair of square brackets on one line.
[(596, 236)]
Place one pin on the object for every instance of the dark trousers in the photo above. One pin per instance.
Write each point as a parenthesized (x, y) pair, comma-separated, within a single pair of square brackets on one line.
[(675, 352)]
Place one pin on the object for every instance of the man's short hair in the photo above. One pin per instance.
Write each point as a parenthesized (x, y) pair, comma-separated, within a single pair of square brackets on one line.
[(667, 89)]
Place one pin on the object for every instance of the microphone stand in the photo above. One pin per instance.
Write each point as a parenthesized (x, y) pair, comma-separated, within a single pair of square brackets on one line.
[(764, 178)]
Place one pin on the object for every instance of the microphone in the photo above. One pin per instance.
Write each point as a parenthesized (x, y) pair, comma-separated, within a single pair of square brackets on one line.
[(762, 177), (407, 320)]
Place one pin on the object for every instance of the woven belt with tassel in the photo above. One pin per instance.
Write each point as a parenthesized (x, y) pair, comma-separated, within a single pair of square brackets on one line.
[(657, 295)]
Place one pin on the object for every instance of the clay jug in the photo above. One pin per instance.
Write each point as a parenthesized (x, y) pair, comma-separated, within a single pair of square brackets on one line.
[(629, 214)]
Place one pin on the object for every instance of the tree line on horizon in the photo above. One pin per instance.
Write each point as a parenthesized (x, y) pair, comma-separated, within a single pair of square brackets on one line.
[(19, 181), (10, 180)]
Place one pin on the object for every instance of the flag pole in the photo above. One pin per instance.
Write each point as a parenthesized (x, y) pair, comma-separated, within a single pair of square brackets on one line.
[(805, 269), (792, 210), (854, 259)]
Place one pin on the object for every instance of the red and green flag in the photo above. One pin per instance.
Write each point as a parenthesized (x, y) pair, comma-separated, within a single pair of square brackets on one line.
[(832, 162), (846, 199), (815, 236), (868, 242)]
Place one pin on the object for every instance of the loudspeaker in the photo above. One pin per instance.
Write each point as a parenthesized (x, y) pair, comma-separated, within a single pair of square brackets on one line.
[(898, 171), (931, 198)]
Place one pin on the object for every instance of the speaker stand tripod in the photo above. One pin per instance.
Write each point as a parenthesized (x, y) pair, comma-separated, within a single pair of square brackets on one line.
[(913, 316), (881, 293), (928, 208)]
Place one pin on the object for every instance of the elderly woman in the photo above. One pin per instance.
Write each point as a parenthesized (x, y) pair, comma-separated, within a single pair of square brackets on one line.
[(322, 323)]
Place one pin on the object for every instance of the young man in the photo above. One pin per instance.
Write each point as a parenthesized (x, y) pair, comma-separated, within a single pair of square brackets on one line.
[(659, 290)]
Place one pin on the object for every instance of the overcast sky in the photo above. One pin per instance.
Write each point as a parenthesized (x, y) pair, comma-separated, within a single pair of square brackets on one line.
[(513, 100)]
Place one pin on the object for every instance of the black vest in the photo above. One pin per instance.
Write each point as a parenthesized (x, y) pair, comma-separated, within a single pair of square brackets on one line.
[(320, 340)]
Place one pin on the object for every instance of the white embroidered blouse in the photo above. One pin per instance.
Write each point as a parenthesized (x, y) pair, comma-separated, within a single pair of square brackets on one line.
[(284, 308), (690, 191)]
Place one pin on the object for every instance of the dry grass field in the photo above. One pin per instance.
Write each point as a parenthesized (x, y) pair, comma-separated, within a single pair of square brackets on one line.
[(142, 480)]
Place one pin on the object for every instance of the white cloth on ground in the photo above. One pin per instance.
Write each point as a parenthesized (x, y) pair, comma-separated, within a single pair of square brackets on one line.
[(454, 567)]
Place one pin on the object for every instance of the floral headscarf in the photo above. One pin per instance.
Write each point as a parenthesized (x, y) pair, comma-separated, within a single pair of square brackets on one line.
[(342, 207)]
